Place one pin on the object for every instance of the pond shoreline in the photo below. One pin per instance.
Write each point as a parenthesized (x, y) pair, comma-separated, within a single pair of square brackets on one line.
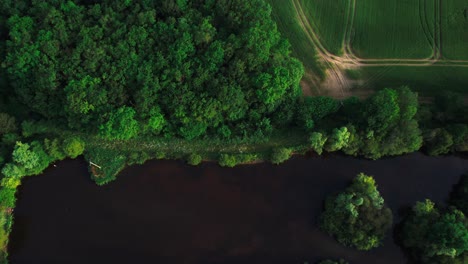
[(169, 211)]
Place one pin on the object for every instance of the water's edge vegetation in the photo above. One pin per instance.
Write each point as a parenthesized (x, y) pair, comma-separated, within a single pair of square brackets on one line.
[(194, 80)]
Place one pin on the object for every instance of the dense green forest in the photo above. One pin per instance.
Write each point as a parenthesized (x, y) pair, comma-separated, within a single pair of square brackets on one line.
[(123, 81)]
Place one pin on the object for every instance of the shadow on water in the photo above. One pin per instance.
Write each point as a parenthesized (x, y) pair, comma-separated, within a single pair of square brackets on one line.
[(169, 212)]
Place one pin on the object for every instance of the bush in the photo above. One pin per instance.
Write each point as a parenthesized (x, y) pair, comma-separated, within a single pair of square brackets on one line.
[(160, 155), (439, 142), (138, 157), (280, 155), (226, 160), (10, 182), (194, 159), (54, 149), (73, 147), (317, 141), (7, 197)]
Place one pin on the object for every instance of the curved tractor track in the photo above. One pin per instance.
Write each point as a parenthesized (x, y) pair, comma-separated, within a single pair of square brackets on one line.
[(350, 59)]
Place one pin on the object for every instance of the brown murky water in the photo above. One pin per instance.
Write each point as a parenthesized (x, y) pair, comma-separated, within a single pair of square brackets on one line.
[(169, 212)]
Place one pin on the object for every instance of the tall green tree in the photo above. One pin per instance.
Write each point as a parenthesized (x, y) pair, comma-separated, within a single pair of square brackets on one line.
[(357, 217)]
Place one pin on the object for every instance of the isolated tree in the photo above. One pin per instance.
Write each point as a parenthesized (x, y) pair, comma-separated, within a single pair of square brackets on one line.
[(357, 217)]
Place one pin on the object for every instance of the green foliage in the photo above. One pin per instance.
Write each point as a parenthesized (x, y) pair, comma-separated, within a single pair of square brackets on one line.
[(194, 159), (138, 157), (110, 161), (317, 141), (280, 155), (231, 160), (73, 147), (314, 109), (438, 142), (181, 67), (357, 217), (12, 170), (28, 159), (25, 156), (227, 160), (7, 197), (7, 124), (156, 121), (338, 139), (459, 195), (11, 182), (121, 125), (459, 134), (54, 149), (432, 234)]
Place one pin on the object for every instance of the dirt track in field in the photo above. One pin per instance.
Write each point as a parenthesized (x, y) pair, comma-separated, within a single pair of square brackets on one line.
[(337, 84)]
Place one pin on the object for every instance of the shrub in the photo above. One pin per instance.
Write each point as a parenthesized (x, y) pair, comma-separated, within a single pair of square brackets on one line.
[(73, 147), (194, 159), (160, 155), (7, 197), (439, 142), (54, 149), (10, 182), (7, 124), (138, 157), (226, 160), (280, 155)]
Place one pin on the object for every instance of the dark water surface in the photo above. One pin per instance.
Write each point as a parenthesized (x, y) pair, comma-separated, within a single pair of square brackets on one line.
[(169, 212)]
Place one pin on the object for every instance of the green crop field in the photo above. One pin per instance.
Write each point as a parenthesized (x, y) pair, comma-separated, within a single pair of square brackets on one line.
[(427, 81), (455, 29), (329, 19), (376, 43), (393, 29)]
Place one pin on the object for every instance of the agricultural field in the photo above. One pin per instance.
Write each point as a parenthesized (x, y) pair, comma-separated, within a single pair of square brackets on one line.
[(303, 49), (393, 29), (455, 29), (427, 81), (365, 45), (329, 21)]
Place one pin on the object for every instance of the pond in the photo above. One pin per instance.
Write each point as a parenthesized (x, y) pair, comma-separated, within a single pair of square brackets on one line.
[(169, 212)]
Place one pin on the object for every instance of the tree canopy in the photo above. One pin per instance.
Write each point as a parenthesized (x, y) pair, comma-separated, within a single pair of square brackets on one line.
[(357, 217), (435, 235), (182, 67)]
